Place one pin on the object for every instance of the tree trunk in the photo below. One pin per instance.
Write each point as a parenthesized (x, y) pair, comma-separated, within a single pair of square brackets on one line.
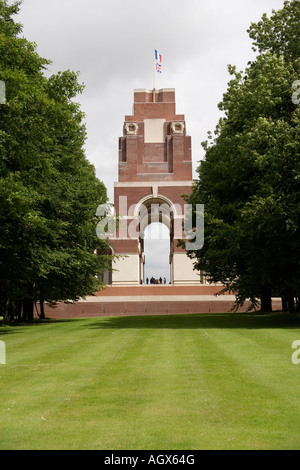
[(291, 302), (284, 303), (266, 299), (28, 310), (42, 310), (11, 311), (19, 310), (3, 309)]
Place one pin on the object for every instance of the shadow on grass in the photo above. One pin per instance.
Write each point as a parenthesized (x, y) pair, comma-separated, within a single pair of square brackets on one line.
[(201, 321), (185, 321), (20, 327), (10, 330)]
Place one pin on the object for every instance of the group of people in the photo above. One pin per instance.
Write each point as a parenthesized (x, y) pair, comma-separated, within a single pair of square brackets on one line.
[(156, 281)]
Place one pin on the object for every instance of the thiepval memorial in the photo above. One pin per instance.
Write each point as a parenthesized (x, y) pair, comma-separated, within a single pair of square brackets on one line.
[(155, 171)]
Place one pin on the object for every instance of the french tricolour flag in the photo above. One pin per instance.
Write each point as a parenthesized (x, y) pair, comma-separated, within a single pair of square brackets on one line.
[(158, 56)]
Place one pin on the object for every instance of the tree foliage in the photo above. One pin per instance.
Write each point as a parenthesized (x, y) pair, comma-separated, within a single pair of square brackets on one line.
[(48, 190), (249, 179)]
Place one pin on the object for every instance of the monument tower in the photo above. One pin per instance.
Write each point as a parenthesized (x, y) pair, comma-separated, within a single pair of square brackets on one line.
[(155, 170)]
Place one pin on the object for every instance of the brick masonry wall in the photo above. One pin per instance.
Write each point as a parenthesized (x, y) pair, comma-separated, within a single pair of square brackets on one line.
[(168, 160)]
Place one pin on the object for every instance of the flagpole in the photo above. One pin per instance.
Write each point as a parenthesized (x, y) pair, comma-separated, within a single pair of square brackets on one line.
[(154, 81)]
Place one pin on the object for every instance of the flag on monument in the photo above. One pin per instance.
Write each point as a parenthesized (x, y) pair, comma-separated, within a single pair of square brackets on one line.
[(158, 56), (158, 62)]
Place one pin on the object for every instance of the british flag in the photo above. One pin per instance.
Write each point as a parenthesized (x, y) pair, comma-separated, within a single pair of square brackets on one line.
[(158, 67)]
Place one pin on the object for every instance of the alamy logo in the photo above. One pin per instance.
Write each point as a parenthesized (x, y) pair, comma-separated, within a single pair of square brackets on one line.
[(296, 94), (187, 223), (2, 92), (296, 354), (2, 353)]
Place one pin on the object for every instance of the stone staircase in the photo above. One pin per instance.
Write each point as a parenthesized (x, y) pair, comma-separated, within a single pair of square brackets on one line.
[(150, 300)]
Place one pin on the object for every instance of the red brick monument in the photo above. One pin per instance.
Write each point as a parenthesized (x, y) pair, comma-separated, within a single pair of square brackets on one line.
[(155, 170)]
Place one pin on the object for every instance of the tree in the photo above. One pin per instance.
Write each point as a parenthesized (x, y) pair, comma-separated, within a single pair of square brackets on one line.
[(49, 192), (249, 179), (280, 33)]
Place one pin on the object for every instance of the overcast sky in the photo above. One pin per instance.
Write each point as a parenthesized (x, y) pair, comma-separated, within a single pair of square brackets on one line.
[(112, 44)]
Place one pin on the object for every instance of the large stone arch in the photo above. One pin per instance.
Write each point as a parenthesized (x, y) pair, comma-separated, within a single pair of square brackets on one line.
[(150, 210)]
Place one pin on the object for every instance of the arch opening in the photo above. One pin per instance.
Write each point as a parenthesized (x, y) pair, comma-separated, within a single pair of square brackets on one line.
[(156, 243)]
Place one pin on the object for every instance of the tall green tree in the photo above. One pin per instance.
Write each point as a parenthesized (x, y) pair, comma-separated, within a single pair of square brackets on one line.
[(249, 179), (49, 192)]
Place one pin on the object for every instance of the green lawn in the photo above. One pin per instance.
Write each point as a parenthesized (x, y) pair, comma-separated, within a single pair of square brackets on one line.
[(160, 382)]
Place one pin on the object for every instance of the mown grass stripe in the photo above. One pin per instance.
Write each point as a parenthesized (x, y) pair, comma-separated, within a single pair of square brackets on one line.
[(173, 382)]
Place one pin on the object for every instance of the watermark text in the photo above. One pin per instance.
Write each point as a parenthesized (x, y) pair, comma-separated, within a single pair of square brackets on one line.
[(296, 354), (2, 353), (2, 92), (296, 94), (184, 222)]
